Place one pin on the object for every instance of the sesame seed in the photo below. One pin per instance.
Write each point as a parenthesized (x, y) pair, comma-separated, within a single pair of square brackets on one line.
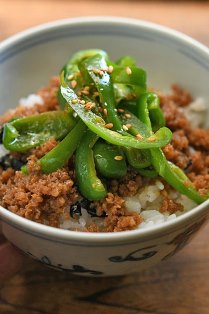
[(86, 88), (151, 138), (73, 83), (118, 157), (109, 126), (128, 71), (125, 127), (82, 102), (96, 93), (101, 73), (93, 105), (105, 111), (87, 106), (85, 92), (110, 69), (128, 125), (70, 77), (120, 110), (74, 101), (96, 71), (127, 115), (139, 136)]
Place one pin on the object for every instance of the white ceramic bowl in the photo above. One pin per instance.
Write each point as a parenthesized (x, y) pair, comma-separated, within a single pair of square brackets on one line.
[(27, 60)]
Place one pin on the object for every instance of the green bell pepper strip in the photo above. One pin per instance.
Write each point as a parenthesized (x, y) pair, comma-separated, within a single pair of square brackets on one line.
[(149, 173), (170, 172), (136, 78), (28, 132), (60, 154), (126, 61), (138, 158), (109, 160), (104, 86), (89, 184), (97, 125), (175, 176), (71, 70), (124, 91), (130, 105), (136, 125), (149, 109), (87, 53), (61, 100), (71, 67)]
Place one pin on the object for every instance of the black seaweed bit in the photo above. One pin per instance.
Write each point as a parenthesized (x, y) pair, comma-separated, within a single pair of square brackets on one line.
[(91, 209), (8, 161), (85, 203), (75, 209), (17, 164)]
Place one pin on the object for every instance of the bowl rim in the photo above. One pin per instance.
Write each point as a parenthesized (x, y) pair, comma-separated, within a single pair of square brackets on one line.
[(102, 237)]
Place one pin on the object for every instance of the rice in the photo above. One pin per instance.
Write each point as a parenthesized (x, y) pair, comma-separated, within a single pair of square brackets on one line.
[(3, 151), (195, 112), (147, 203), (31, 101)]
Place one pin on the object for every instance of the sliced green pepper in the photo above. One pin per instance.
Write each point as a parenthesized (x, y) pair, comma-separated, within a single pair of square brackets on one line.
[(133, 76), (138, 158), (102, 80), (148, 172), (136, 126), (149, 108), (170, 172), (60, 154), (89, 184), (25, 133), (129, 105), (132, 85), (97, 125), (126, 61), (61, 100), (109, 160), (72, 72), (175, 176)]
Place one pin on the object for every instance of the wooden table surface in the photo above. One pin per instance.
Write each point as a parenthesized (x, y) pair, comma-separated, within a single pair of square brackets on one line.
[(179, 285)]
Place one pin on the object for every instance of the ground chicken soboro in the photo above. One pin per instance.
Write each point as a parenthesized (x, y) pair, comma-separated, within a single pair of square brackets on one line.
[(44, 197)]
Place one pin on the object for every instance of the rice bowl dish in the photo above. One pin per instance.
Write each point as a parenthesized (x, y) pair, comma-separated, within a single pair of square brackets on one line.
[(168, 57), (132, 191)]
